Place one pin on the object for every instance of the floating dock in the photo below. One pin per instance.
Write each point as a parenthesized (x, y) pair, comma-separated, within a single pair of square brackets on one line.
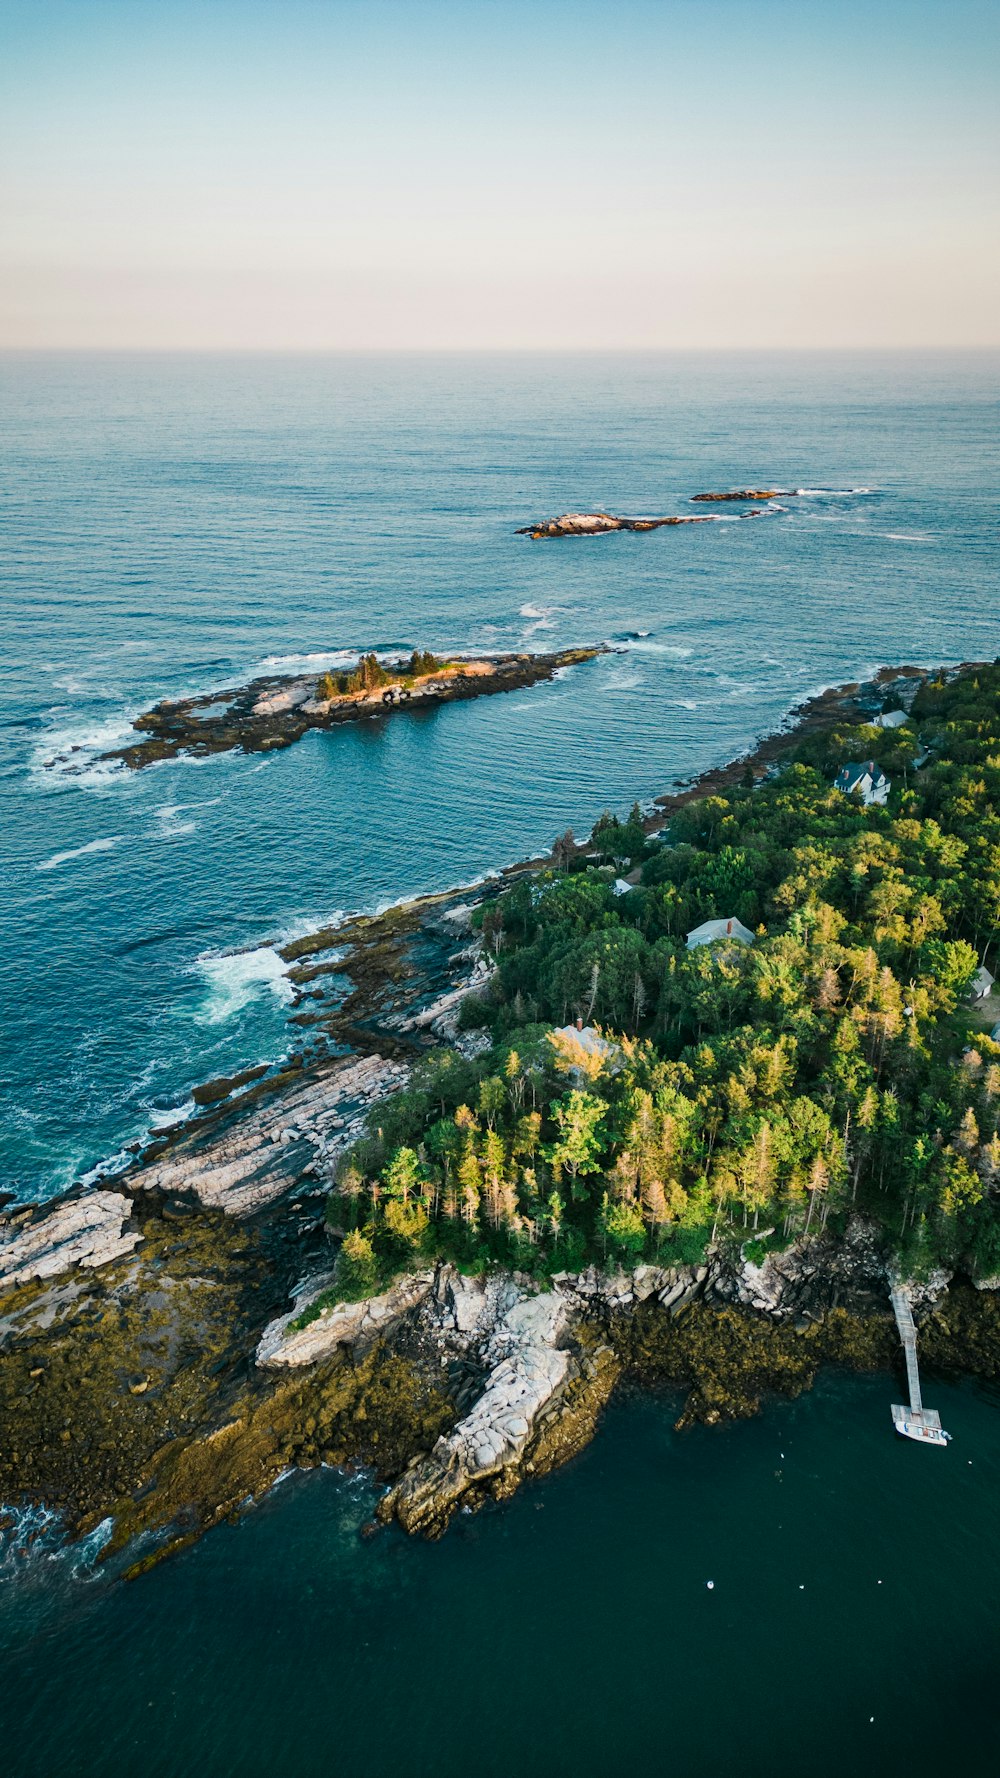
[(916, 1421)]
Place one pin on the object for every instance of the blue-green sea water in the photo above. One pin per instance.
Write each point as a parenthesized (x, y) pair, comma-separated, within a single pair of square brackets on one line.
[(174, 524), (850, 1627)]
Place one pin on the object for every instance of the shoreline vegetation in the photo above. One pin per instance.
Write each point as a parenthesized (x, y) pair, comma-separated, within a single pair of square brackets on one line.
[(535, 1140), (277, 711)]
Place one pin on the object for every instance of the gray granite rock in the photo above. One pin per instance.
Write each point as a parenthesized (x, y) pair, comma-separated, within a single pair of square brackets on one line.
[(89, 1230)]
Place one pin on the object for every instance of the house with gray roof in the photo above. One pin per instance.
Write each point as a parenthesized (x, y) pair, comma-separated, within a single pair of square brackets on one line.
[(710, 930), (866, 780)]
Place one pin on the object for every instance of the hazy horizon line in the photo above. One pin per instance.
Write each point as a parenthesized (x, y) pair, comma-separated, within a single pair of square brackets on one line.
[(153, 351)]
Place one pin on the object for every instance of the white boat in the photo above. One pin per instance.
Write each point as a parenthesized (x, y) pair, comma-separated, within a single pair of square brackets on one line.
[(924, 1425)]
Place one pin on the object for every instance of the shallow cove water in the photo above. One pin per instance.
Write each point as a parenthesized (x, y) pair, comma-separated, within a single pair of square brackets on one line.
[(572, 1631), (172, 526)]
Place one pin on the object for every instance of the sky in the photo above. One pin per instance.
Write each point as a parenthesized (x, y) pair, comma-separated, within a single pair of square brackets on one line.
[(492, 174)]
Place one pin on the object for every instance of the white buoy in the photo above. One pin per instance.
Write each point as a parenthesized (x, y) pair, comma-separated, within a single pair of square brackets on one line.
[(710, 1584)]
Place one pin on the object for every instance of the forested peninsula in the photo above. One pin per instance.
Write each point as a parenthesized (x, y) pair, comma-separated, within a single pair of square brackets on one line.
[(276, 711), (818, 1056), (676, 1103)]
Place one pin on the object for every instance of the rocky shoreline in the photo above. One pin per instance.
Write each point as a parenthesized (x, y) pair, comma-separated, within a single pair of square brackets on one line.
[(168, 1386), (158, 1366), (275, 712)]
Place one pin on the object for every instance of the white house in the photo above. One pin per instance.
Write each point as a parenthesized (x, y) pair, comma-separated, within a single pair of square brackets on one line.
[(867, 779), (710, 930), (982, 982), (573, 1044), (620, 887), (891, 719), (587, 1037)]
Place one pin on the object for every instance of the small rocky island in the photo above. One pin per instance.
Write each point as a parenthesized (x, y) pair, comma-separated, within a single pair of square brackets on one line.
[(276, 711), (597, 524), (748, 494)]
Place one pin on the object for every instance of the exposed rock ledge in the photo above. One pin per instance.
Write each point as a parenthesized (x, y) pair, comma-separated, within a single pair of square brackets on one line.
[(544, 1362), (346, 1325), (545, 1383), (276, 712), (746, 494), (87, 1231), (454, 1388), (541, 1378), (260, 1150)]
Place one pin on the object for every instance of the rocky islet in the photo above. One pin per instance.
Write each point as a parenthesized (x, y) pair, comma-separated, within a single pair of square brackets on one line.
[(276, 711)]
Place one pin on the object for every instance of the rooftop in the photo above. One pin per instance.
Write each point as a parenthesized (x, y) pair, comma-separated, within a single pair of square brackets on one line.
[(710, 930)]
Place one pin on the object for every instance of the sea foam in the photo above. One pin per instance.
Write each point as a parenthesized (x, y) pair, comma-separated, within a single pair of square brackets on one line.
[(59, 858), (234, 978)]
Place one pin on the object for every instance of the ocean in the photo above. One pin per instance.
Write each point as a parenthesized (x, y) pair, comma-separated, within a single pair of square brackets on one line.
[(174, 524)]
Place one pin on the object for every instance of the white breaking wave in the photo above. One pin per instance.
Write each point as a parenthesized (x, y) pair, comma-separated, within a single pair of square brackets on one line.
[(79, 852), (907, 537), (37, 1533), (640, 645), (237, 977), (107, 1168), (169, 827), (165, 1119), (542, 618), (622, 678), (75, 752), (829, 493), (322, 662)]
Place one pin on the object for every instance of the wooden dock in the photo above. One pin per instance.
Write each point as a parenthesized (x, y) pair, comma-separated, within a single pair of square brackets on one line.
[(916, 1421)]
